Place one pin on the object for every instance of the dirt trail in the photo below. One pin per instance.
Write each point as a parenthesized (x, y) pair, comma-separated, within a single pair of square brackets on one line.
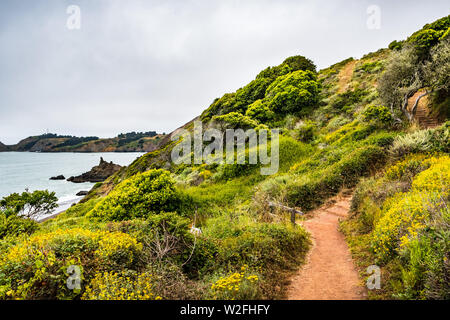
[(345, 75), (329, 273)]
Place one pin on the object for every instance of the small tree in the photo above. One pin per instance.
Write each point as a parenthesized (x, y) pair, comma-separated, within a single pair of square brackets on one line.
[(437, 70), (30, 204), (400, 80)]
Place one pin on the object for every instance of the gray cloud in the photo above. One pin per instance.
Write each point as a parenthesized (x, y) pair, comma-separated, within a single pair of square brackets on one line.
[(154, 65)]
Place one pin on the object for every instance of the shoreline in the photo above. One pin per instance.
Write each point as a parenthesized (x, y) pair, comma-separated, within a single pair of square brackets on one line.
[(49, 217)]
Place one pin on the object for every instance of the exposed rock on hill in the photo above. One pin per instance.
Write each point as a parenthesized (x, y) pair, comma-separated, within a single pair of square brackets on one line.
[(98, 173)]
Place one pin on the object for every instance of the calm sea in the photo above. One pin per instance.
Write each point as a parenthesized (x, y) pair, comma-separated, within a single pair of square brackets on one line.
[(21, 170)]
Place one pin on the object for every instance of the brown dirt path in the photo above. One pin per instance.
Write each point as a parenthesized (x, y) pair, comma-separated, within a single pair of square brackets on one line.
[(329, 273), (345, 75)]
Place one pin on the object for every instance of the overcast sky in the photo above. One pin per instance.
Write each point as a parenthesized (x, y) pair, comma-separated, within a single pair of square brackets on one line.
[(154, 65)]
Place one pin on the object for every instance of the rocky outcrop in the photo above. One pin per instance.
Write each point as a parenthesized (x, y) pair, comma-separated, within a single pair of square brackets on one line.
[(82, 193), (98, 173), (60, 177)]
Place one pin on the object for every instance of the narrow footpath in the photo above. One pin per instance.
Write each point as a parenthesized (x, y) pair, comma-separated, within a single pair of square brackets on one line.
[(329, 272)]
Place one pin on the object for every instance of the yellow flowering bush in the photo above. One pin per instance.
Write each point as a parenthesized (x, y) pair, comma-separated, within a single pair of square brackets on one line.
[(436, 179), (410, 165), (36, 267), (404, 217), (116, 286), (237, 285), (120, 246), (406, 214)]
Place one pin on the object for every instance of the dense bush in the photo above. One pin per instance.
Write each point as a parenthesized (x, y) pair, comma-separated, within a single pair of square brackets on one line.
[(429, 35), (13, 225), (306, 132), (236, 120), (396, 45), (437, 69), (428, 140), (293, 92), (115, 286), (143, 194), (260, 112), (379, 115), (239, 241), (256, 89), (300, 63), (348, 98), (403, 217), (36, 268)]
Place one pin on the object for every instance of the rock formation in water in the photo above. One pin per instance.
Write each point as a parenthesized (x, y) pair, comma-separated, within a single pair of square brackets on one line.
[(98, 173), (60, 177)]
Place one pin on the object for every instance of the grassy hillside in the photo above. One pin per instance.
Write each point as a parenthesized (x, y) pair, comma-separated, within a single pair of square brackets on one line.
[(340, 129)]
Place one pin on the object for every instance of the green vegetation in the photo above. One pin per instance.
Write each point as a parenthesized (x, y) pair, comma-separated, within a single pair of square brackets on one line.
[(157, 229), (30, 204), (422, 61), (139, 196), (401, 222)]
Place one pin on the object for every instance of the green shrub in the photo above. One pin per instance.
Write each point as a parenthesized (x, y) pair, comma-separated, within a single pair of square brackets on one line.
[(260, 112), (348, 98), (371, 67), (256, 89), (146, 193), (425, 39), (37, 267), (307, 132), (13, 225), (293, 92), (396, 45), (300, 63), (422, 141), (237, 120), (378, 115)]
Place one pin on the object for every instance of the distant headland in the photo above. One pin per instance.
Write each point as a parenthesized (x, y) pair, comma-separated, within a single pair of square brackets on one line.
[(124, 142)]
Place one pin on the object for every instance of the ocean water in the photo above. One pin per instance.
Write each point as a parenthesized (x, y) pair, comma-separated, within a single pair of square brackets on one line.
[(32, 171)]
